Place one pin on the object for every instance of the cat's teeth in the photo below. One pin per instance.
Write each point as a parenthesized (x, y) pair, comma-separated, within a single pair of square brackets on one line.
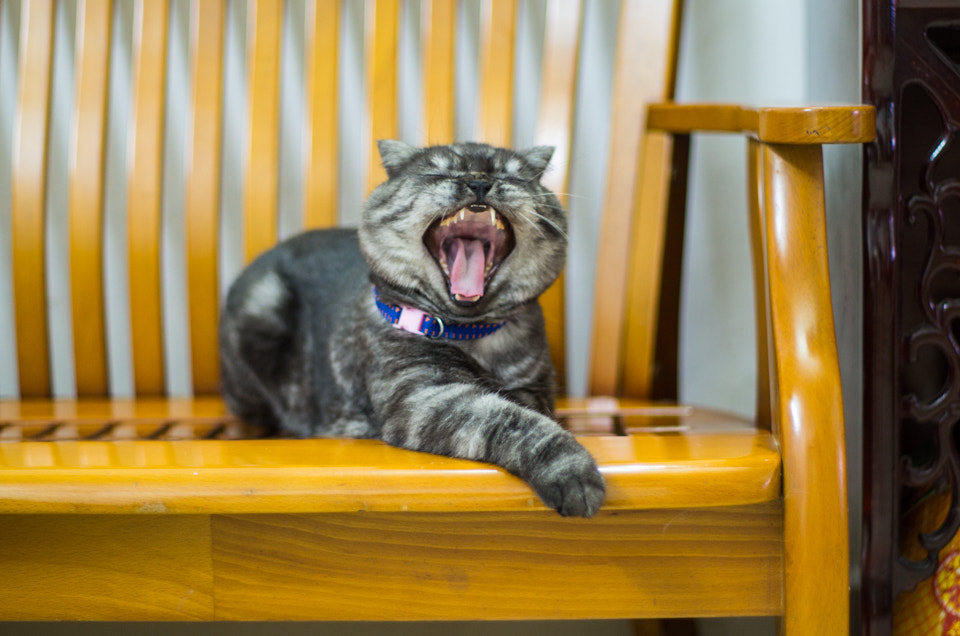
[(456, 217)]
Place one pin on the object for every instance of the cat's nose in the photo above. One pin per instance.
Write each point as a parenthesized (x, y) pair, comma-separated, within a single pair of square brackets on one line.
[(480, 188)]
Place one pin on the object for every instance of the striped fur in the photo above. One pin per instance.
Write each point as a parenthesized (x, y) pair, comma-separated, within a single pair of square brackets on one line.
[(306, 352)]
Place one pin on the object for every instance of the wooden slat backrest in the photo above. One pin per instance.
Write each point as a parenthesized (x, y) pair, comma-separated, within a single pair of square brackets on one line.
[(647, 32), (561, 51), (143, 194), (29, 199), (498, 23), (439, 36), (321, 169), (625, 299), (383, 26), (86, 197), (203, 191), (263, 90), (756, 222)]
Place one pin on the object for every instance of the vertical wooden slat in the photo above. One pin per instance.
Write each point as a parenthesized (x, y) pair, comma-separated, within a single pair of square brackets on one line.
[(665, 381), (382, 51), (555, 128), (203, 191), (644, 269), (439, 32), (643, 73), (497, 31), (144, 192), (260, 204), (321, 169), (756, 224), (28, 198), (86, 197)]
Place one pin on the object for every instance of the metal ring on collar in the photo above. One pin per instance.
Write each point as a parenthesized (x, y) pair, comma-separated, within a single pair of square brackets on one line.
[(439, 322)]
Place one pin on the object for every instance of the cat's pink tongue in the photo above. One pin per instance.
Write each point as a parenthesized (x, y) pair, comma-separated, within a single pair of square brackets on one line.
[(467, 268)]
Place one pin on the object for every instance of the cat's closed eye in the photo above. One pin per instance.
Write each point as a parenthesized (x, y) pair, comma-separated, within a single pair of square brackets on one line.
[(512, 179)]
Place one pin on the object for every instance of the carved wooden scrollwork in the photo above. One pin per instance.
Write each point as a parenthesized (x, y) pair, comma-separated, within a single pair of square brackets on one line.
[(930, 295), (911, 292), (930, 302)]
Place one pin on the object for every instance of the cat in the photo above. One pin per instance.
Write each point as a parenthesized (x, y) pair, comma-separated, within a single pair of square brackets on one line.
[(421, 328)]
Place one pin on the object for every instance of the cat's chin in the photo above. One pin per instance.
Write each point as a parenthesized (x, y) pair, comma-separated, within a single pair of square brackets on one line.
[(468, 246)]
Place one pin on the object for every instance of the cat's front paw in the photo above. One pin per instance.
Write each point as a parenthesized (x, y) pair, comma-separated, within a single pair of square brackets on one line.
[(571, 484)]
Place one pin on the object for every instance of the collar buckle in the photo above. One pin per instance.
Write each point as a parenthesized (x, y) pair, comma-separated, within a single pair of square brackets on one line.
[(413, 320)]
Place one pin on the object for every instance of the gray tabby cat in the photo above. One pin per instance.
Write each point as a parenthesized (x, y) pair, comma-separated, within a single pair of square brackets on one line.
[(458, 244)]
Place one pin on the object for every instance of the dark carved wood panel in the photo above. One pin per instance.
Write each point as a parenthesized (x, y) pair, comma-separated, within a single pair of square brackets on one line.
[(911, 223)]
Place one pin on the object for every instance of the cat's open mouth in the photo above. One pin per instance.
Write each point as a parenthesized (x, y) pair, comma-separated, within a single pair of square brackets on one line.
[(469, 245)]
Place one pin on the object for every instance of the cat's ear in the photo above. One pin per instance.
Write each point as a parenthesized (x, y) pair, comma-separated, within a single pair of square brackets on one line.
[(538, 157), (394, 155)]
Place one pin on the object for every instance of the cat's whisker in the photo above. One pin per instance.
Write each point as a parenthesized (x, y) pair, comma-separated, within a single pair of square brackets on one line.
[(531, 222), (545, 220), (554, 226)]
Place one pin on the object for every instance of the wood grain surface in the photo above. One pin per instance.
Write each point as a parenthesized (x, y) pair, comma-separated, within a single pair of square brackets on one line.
[(91, 567), (481, 566)]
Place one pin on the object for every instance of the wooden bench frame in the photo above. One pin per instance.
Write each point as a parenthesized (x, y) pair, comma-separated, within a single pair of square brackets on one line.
[(707, 515)]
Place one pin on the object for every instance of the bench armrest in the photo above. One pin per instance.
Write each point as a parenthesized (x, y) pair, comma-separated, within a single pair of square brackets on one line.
[(807, 125)]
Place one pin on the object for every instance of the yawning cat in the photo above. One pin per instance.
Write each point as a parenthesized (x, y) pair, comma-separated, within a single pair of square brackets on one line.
[(422, 328)]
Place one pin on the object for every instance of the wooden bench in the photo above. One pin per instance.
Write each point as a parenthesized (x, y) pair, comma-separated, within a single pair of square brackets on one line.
[(160, 508)]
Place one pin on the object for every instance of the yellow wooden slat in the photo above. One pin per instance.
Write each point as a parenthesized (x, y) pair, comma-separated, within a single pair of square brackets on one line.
[(322, 165), (761, 310), (29, 198), (645, 266), (497, 31), (383, 26), (86, 197), (203, 192), (117, 410), (144, 192), (262, 175), (439, 35), (555, 128), (561, 50), (646, 32), (207, 408)]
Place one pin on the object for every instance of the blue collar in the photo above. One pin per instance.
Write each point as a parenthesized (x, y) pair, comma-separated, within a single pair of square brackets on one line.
[(419, 322)]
